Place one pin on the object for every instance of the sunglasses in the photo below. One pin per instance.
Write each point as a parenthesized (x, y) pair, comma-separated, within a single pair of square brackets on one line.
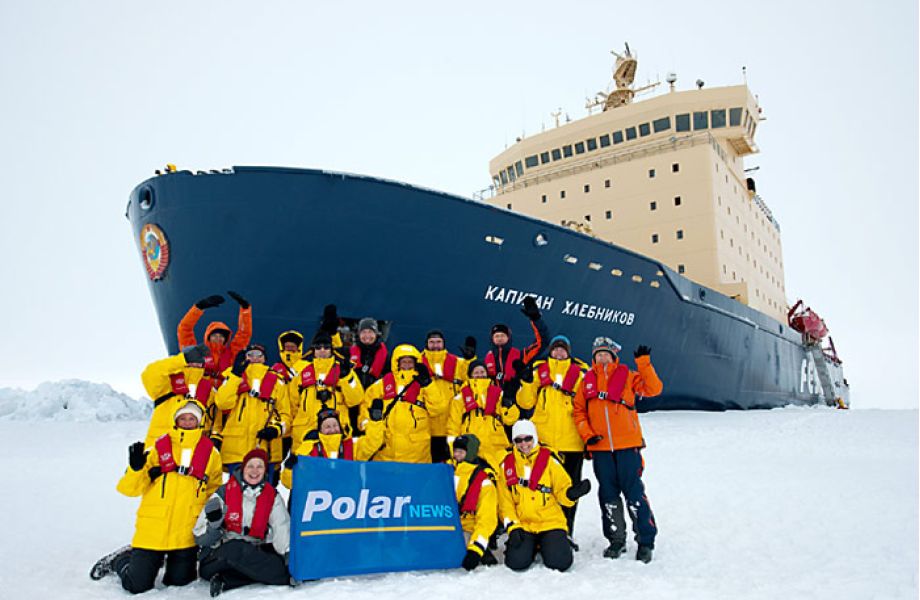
[(323, 346), (523, 439)]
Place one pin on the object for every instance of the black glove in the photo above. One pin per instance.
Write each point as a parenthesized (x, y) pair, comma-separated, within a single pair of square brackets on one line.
[(137, 458), (468, 349), (330, 322), (530, 310), (522, 371), (213, 510), (376, 411), (423, 375), (244, 304), (290, 461), (154, 472), (594, 440), (268, 433), (195, 354), (578, 490), (344, 367), (471, 560), (642, 351), (516, 537), (240, 363), (209, 302), (509, 391), (488, 559)]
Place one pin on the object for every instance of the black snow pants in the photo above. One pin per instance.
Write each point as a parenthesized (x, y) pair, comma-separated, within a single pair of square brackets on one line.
[(241, 563), (140, 574), (572, 462), (553, 546)]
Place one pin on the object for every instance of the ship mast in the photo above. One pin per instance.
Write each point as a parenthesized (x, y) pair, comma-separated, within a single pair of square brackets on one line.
[(624, 73)]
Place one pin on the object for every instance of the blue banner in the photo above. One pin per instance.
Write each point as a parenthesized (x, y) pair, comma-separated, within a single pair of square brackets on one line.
[(350, 517)]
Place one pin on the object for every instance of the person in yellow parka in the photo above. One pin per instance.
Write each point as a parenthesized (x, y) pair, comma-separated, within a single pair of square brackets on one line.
[(405, 401), (174, 480), (477, 500), (290, 350), (260, 413), (533, 487), (332, 439), (170, 381), (321, 381), (449, 373), (549, 389), (482, 409)]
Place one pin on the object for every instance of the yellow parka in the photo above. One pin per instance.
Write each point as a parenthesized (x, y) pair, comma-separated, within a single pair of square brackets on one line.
[(157, 378), (481, 523), (305, 402), (407, 428), (170, 503), (489, 429), (447, 387), (363, 447), (535, 510), (250, 412), (553, 407)]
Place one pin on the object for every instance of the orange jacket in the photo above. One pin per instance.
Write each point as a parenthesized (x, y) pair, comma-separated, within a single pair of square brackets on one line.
[(223, 353), (616, 421)]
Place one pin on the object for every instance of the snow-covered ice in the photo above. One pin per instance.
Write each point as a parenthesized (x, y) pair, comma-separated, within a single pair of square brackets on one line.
[(787, 503)]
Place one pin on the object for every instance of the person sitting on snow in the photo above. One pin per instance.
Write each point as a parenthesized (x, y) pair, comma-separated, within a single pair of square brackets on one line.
[(477, 500)]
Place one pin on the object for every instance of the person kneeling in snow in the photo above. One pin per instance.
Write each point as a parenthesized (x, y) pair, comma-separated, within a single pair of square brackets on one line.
[(474, 480), (532, 489), (174, 481), (244, 530)]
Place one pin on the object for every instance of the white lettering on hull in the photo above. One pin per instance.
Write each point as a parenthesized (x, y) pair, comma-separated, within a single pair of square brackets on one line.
[(591, 312)]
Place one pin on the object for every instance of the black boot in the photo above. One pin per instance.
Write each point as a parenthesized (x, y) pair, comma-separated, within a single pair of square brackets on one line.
[(615, 550), (217, 585), (644, 554), (108, 563), (572, 544)]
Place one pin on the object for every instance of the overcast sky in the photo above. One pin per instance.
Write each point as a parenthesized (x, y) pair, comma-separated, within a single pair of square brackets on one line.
[(96, 95)]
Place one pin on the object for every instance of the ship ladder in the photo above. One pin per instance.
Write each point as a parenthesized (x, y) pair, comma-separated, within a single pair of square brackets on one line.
[(824, 374)]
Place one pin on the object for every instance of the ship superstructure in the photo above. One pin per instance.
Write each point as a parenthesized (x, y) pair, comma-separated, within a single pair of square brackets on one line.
[(664, 177)]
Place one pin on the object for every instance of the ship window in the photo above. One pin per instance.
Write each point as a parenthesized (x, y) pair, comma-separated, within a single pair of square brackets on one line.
[(587, 188), (496, 180), (675, 167), (562, 194), (651, 173), (519, 168), (544, 158), (579, 147), (676, 200), (145, 199), (567, 151), (662, 124), (609, 214), (630, 133), (511, 174), (680, 232), (644, 129), (592, 144), (616, 272), (595, 266), (540, 240), (587, 217), (531, 161), (718, 118), (606, 183), (617, 137), (637, 278), (509, 206), (504, 177), (654, 284), (652, 205), (700, 120), (734, 116), (557, 154), (654, 238), (570, 259), (604, 140), (681, 269), (682, 122), (543, 198), (495, 240)]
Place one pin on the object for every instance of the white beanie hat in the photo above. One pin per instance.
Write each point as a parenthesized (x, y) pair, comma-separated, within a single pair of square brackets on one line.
[(524, 427), (189, 408)]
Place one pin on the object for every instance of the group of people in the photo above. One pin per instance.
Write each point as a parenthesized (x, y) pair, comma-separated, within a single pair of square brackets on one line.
[(516, 425)]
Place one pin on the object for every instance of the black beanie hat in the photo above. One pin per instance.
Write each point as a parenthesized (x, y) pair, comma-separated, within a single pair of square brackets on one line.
[(470, 443), (500, 328), (434, 333), (473, 365), (321, 338)]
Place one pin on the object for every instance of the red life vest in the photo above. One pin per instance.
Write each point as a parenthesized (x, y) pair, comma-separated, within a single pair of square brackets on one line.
[(539, 466), (233, 521), (215, 368), (265, 389), (283, 371), (470, 499), (308, 377), (450, 369), (568, 382), (615, 385), (470, 404), (198, 468), (179, 387), (376, 366), (507, 371), (346, 450), (410, 392)]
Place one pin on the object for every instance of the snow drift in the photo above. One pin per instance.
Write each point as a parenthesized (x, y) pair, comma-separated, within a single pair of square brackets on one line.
[(71, 400)]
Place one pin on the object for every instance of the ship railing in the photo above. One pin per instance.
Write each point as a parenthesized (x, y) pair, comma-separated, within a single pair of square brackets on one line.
[(484, 194)]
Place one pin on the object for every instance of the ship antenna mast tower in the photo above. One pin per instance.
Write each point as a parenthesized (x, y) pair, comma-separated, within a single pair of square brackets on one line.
[(624, 73)]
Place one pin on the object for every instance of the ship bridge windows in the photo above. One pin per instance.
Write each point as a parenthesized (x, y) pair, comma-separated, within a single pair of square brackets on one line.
[(718, 118), (662, 124), (510, 171), (682, 122), (617, 137), (579, 147), (630, 133), (645, 129), (591, 143), (531, 161), (518, 168), (544, 158), (567, 151), (604, 140), (700, 120), (504, 177), (557, 154), (734, 116)]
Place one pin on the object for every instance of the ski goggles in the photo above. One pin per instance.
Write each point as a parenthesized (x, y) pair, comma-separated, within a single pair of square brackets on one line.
[(255, 354)]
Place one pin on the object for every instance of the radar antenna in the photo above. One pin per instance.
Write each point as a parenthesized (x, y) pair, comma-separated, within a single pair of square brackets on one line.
[(556, 115), (624, 74)]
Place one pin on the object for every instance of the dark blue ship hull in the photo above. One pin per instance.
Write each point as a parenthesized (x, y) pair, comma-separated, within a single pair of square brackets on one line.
[(292, 241)]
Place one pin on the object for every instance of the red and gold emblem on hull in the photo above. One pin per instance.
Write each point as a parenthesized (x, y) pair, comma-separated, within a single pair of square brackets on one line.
[(155, 250)]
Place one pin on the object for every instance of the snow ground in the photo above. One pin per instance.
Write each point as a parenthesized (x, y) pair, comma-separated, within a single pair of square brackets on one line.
[(788, 503)]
